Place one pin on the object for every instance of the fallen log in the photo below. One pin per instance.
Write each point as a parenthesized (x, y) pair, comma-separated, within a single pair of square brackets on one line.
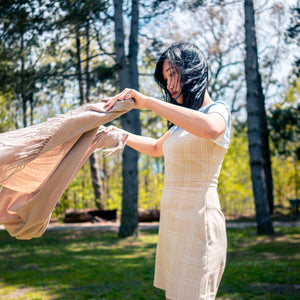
[(77, 216), (104, 214), (148, 215)]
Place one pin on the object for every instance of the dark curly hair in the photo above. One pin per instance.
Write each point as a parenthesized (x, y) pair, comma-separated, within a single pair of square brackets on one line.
[(191, 66)]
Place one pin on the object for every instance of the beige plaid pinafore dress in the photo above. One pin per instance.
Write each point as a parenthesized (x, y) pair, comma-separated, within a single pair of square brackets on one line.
[(192, 243)]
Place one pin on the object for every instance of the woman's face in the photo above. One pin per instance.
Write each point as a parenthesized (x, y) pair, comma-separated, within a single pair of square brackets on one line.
[(172, 79)]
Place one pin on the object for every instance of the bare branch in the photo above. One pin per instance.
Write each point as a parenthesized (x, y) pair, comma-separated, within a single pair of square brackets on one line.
[(111, 54)]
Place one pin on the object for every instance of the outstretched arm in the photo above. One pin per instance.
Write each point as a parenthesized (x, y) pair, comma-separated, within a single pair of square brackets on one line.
[(146, 145), (208, 126)]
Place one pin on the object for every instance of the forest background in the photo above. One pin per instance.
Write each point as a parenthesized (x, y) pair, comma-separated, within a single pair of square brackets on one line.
[(58, 55)]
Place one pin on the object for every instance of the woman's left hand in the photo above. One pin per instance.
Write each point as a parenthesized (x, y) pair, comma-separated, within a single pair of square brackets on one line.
[(139, 99)]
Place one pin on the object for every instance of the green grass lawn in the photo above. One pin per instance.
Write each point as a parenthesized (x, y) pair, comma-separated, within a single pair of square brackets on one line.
[(92, 265)]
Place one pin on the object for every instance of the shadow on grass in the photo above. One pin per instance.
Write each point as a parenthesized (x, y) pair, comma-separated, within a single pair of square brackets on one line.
[(93, 265), (262, 267), (79, 265)]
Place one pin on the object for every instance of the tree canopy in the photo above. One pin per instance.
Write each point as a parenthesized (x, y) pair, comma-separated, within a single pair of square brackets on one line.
[(56, 55)]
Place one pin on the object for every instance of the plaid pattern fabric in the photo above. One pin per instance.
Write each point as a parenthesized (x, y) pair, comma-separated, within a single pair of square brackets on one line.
[(192, 244)]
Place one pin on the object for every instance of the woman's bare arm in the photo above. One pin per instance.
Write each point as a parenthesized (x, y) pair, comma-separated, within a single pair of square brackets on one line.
[(208, 126), (146, 145)]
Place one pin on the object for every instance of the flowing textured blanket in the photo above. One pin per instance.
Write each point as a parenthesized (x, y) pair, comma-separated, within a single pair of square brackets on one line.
[(37, 163)]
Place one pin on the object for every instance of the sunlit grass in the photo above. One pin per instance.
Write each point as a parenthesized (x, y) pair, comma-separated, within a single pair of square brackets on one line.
[(93, 265), (260, 267)]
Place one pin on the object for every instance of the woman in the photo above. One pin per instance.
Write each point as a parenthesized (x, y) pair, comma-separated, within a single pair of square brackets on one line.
[(191, 250)]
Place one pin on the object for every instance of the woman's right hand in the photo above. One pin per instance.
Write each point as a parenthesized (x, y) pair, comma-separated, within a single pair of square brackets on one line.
[(112, 128), (139, 99)]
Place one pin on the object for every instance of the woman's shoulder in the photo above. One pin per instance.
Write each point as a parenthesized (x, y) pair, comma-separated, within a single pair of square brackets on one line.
[(215, 106), (215, 103), (220, 107)]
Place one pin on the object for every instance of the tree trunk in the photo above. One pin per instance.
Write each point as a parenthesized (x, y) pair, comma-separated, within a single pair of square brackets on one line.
[(96, 180), (87, 66), (264, 223), (31, 103), (105, 181), (130, 121), (133, 46), (22, 80), (78, 66), (95, 174), (122, 65), (93, 159), (265, 144)]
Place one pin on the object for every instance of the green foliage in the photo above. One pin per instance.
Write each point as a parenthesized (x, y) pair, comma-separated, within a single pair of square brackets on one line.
[(285, 137), (22, 26), (112, 181), (284, 179), (43, 35), (6, 113), (150, 182), (151, 169), (104, 72), (79, 193), (293, 92), (235, 187), (293, 34), (284, 124), (81, 264)]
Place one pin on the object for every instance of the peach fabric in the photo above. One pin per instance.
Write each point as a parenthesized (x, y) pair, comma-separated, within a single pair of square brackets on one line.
[(192, 244), (37, 163)]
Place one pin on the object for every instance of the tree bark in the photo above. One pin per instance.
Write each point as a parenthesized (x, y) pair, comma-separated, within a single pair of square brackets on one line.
[(128, 77), (87, 66), (23, 93), (265, 144), (258, 176), (133, 45), (31, 103), (95, 174), (96, 180), (93, 159), (78, 66)]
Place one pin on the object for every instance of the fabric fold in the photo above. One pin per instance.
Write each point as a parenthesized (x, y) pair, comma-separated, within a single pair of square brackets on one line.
[(37, 163)]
